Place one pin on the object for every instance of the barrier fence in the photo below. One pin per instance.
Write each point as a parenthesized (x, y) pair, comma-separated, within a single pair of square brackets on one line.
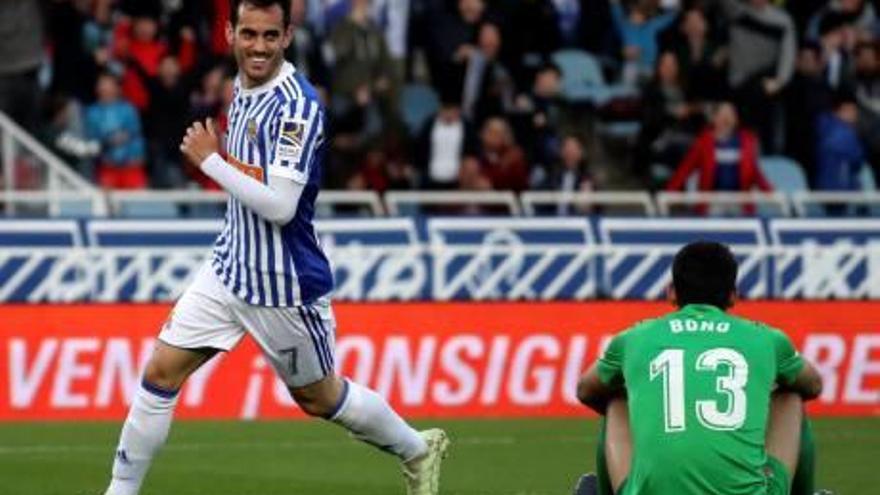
[(403, 259), (66, 362)]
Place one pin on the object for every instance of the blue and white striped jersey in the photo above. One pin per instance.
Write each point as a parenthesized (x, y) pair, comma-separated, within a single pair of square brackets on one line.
[(275, 129)]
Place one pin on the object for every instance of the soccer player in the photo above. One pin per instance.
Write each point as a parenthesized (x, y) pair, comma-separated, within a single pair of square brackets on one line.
[(713, 403), (267, 275)]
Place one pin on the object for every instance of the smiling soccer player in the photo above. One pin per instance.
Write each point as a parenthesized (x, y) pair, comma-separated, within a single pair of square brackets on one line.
[(267, 276)]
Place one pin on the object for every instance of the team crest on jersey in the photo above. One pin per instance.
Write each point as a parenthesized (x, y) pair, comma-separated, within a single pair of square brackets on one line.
[(252, 129), (290, 143)]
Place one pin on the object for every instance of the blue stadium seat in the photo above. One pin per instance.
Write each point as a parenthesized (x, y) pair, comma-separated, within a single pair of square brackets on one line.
[(869, 184), (784, 174), (152, 209), (418, 102), (867, 178), (75, 209), (583, 81)]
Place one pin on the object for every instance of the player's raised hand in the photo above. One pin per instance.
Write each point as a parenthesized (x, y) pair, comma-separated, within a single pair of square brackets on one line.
[(200, 141)]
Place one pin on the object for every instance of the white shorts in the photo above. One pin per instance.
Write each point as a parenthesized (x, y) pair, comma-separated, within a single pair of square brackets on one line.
[(298, 341)]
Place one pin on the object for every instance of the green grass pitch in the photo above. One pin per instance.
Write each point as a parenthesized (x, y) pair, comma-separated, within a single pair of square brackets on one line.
[(505, 457)]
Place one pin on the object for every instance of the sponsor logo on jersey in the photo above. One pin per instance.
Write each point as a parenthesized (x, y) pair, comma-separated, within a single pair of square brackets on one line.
[(290, 143), (252, 171)]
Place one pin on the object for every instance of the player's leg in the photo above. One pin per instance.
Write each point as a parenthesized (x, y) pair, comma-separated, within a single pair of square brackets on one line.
[(149, 418), (783, 440), (299, 343), (197, 328), (362, 412), (804, 481), (618, 442)]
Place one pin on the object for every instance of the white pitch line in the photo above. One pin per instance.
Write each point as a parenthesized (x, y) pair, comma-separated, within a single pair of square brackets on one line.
[(64, 449)]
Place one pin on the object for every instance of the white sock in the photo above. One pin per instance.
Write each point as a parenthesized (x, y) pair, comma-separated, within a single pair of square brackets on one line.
[(144, 432), (370, 419)]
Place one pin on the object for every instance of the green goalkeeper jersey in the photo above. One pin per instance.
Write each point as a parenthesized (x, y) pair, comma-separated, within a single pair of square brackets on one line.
[(698, 383)]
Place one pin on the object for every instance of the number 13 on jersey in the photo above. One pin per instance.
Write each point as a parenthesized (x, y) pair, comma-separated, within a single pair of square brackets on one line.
[(669, 366)]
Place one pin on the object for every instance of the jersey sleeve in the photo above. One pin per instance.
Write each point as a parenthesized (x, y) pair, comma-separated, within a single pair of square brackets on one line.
[(610, 365), (788, 360), (300, 127)]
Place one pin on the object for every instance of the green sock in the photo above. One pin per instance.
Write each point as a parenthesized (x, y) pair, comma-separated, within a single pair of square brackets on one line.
[(804, 481), (601, 462)]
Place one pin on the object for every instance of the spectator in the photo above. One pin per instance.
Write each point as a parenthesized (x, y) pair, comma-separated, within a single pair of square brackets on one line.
[(362, 85), (451, 42), (839, 153), (65, 133), (538, 118), (700, 60), (138, 44), (208, 98), (725, 155), (806, 97), (531, 32), (867, 88), (305, 52), (488, 86), (638, 32), (837, 41), (763, 46), (570, 173), (669, 120), (114, 122), (165, 123), (21, 53), (501, 159), (392, 18), (384, 167), (858, 14), (75, 59), (442, 145)]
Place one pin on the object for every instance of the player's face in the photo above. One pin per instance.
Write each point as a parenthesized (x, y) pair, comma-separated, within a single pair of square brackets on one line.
[(258, 42)]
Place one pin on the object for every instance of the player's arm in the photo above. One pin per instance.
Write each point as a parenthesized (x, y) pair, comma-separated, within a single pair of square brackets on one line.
[(594, 393), (604, 380), (275, 201), (807, 383), (793, 372)]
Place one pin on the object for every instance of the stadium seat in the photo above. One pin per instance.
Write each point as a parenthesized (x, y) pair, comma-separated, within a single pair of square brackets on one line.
[(75, 209), (784, 174), (152, 209), (418, 103), (583, 81), (867, 178), (869, 184)]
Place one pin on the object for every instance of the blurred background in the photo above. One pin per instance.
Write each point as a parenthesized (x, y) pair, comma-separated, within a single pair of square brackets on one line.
[(518, 172)]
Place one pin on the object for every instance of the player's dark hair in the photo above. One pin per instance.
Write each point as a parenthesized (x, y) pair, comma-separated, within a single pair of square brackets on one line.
[(704, 273), (260, 4)]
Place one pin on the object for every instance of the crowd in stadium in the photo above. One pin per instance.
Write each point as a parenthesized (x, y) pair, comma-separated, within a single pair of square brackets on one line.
[(471, 94)]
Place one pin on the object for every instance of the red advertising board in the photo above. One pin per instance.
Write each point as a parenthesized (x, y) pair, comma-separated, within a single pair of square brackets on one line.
[(66, 362)]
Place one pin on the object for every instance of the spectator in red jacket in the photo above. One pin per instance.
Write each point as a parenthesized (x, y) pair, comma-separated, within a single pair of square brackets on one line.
[(726, 156), (138, 44)]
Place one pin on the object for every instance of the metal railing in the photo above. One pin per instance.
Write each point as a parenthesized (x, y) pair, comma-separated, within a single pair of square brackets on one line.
[(61, 182), (667, 200), (803, 201), (532, 200), (419, 199)]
